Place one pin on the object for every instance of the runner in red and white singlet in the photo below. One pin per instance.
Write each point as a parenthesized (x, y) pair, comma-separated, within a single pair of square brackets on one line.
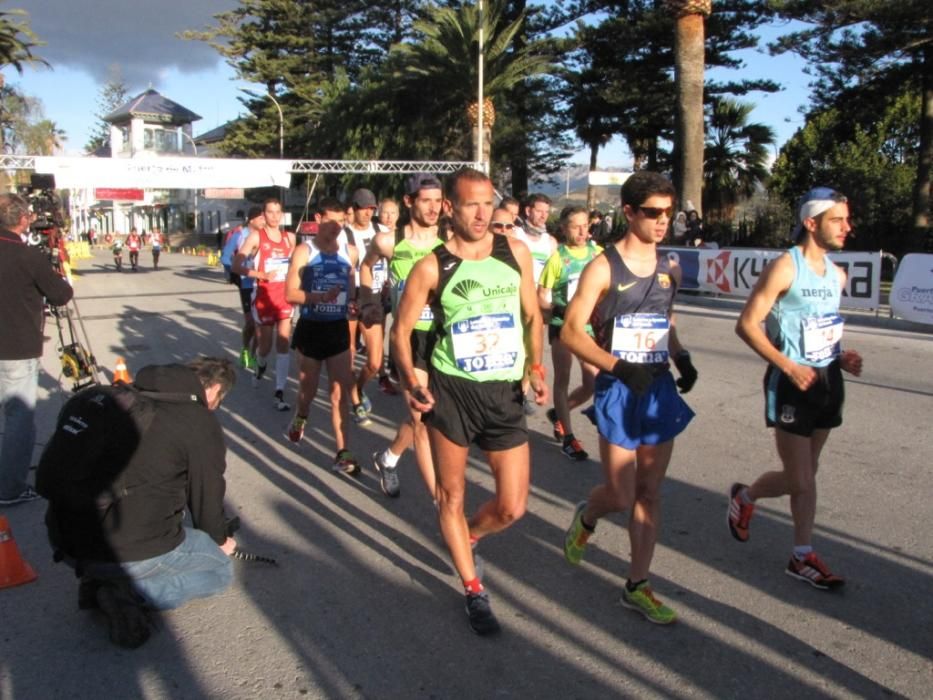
[(271, 250)]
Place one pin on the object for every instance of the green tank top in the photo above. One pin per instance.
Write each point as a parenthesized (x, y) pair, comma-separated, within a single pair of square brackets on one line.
[(566, 287), (478, 316), (404, 257)]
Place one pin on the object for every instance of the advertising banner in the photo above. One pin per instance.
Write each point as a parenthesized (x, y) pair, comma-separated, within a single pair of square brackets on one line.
[(734, 272), (164, 172), (122, 194), (912, 290)]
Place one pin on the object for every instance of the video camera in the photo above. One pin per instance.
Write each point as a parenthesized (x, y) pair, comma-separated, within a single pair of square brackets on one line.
[(49, 214)]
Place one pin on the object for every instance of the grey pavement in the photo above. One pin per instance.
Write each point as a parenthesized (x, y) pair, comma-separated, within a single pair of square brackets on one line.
[(364, 602)]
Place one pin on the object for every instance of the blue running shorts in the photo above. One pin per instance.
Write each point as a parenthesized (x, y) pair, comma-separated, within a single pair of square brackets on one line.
[(625, 419)]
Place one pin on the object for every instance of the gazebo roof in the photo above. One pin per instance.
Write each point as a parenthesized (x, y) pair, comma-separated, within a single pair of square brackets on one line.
[(150, 106)]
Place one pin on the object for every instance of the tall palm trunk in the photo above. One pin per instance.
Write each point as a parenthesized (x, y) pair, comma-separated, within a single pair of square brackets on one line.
[(689, 62), (923, 238)]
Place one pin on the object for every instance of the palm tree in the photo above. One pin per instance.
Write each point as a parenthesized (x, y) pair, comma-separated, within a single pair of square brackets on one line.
[(43, 137), (689, 63), (441, 67), (17, 41), (736, 158)]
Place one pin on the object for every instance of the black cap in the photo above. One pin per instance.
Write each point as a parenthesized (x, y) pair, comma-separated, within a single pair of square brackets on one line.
[(422, 181)]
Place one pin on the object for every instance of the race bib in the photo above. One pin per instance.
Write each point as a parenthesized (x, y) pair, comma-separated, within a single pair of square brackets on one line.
[(486, 343), (277, 268), (821, 336), (572, 284), (380, 275), (641, 338)]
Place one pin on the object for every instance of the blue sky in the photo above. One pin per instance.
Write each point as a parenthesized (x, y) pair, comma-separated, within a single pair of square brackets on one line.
[(85, 39)]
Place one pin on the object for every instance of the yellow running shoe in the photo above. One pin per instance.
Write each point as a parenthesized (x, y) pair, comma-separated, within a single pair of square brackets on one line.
[(577, 536), (642, 600)]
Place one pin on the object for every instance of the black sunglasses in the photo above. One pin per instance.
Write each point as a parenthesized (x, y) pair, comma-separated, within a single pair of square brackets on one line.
[(507, 227), (655, 212)]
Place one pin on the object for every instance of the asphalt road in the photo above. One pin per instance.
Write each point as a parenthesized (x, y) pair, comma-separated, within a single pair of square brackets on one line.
[(364, 602)]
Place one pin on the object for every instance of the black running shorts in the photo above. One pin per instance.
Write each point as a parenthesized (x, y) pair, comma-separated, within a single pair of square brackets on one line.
[(320, 340), (802, 412), (486, 413)]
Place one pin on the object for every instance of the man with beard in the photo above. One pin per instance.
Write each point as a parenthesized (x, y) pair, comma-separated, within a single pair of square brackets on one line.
[(796, 299)]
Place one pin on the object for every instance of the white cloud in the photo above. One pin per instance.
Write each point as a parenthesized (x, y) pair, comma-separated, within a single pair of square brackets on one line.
[(138, 36)]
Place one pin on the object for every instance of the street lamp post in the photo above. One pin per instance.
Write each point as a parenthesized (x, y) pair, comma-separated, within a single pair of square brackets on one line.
[(480, 117), (281, 125), (195, 147)]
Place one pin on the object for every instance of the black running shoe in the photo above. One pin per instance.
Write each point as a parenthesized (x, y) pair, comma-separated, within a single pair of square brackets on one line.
[(482, 619)]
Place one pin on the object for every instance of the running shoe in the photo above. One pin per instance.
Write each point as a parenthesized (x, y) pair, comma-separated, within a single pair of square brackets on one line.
[(577, 535), (280, 404), (482, 619), (388, 476), (812, 570), (360, 415), (365, 402), (345, 462), (27, 496), (642, 600), (386, 386), (556, 425), (740, 513), (297, 429), (572, 449), (244, 358), (260, 369)]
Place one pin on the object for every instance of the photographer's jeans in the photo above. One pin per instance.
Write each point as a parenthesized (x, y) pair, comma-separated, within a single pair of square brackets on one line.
[(197, 568), (19, 384)]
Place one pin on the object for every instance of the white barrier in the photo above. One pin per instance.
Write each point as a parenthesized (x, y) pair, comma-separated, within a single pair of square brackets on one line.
[(912, 290), (734, 272)]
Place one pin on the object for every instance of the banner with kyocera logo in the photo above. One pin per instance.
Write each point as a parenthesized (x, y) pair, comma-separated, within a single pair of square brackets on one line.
[(734, 272)]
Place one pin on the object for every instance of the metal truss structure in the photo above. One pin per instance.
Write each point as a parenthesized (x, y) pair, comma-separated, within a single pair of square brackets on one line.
[(370, 167)]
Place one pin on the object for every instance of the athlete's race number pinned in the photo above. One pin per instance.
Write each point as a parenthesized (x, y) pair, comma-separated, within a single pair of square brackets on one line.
[(822, 336), (486, 343), (641, 338)]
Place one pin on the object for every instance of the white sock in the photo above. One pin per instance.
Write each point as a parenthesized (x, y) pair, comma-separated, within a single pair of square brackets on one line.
[(261, 360), (281, 370), (389, 459), (801, 551)]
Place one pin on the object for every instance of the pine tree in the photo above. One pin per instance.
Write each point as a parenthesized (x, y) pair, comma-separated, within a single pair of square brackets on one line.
[(112, 95)]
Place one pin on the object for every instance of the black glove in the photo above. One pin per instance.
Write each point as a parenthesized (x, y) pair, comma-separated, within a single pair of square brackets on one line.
[(688, 373), (636, 376)]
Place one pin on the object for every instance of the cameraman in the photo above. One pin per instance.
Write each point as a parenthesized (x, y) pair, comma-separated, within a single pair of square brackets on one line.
[(27, 276)]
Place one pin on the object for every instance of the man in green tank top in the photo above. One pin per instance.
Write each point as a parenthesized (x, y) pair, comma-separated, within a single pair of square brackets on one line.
[(403, 248), (481, 289)]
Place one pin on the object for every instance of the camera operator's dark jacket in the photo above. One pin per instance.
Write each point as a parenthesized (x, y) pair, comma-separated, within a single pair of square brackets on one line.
[(176, 465), (26, 276)]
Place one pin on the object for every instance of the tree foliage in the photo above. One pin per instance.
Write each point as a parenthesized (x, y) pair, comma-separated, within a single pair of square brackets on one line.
[(735, 157), (874, 166), (17, 40), (865, 54), (112, 95)]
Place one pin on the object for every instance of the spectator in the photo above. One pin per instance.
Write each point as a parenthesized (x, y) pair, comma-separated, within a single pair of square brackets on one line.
[(28, 279), (128, 543)]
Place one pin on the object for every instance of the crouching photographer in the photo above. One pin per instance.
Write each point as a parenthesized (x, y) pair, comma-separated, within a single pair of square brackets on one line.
[(123, 466), (27, 279)]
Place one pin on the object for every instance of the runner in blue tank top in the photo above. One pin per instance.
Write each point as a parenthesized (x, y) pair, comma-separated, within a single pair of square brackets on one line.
[(628, 292), (792, 320)]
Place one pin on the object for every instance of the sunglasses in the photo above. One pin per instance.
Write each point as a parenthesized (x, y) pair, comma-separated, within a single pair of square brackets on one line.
[(655, 212), (499, 225)]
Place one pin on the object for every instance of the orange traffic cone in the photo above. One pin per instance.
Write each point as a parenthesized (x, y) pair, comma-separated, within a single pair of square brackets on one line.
[(120, 373), (13, 570)]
